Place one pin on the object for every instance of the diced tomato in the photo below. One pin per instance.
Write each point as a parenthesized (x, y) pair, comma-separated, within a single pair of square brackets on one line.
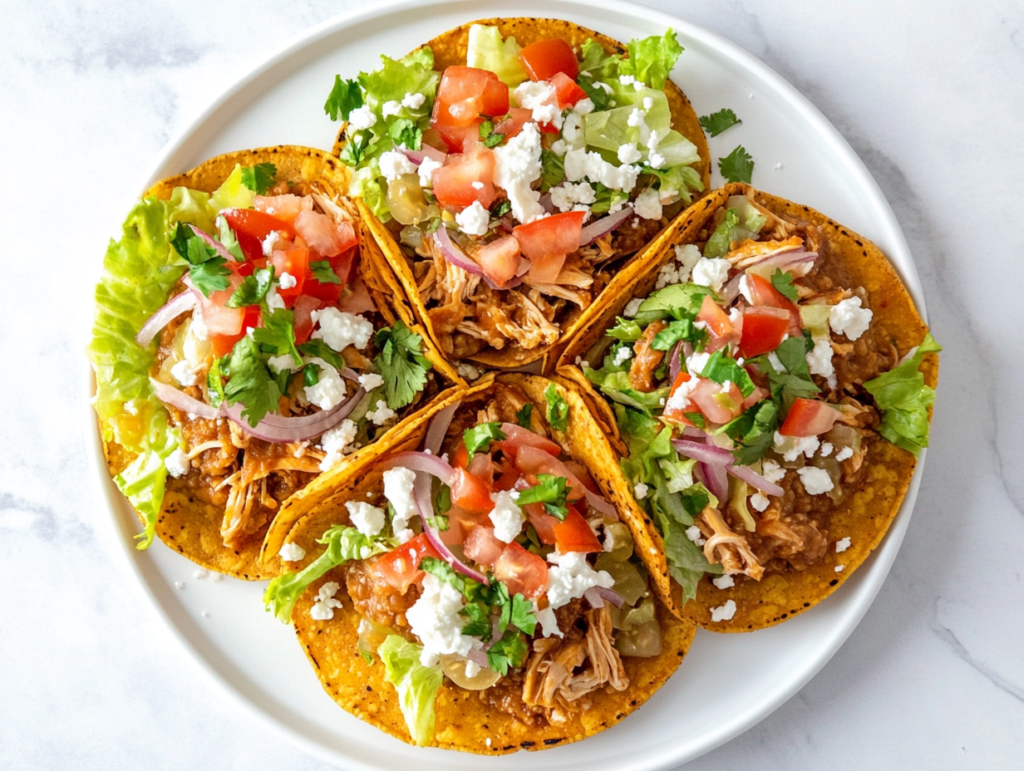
[(499, 259), (720, 328), (460, 458), (809, 417), (582, 473), (356, 298), (763, 293), (460, 523), (566, 90), (345, 265), (755, 396), (574, 534), (482, 467), (763, 329), (400, 567), (717, 405), (294, 262), (521, 571), (453, 182), (327, 294), (467, 93), (532, 460), (303, 310), (458, 137), (673, 414), (513, 123), (546, 243), (222, 344), (285, 207), (509, 477), (545, 58), (471, 493), (542, 522), (481, 546), (252, 227), (322, 235), (517, 436)]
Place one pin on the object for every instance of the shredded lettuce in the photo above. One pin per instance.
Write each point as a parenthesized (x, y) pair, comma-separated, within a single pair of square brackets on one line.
[(651, 59), (416, 685), (737, 226), (487, 51), (904, 399), (232, 194), (343, 544), (613, 380)]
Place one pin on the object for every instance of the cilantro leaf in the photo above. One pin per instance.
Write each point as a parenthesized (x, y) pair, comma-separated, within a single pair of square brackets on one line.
[(253, 289), (681, 329), (719, 121), (500, 208), (722, 368), (524, 414), (549, 490), (522, 616), (207, 271), (406, 133), (250, 381), (210, 277), (595, 93), (259, 178), (345, 97), (753, 432), (444, 572), (508, 652), (401, 363), (479, 616), (558, 409), (784, 283), (277, 335), (354, 150), (215, 383), (323, 272), (480, 437), (737, 166), (320, 349), (553, 170), (444, 500), (796, 380)]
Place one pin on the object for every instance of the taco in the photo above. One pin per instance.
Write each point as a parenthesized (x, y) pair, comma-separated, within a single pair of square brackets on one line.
[(509, 168), (469, 585), (770, 381), (241, 347)]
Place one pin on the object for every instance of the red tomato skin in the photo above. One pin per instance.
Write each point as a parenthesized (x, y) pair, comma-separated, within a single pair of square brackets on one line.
[(763, 293), (466, 93), (574, 534), (546, 243), (482, 547), (720, 328), (294, 262), (327, 294), (566, 90), (460, 458), (513, 122), (521, 571), (704, 397), (533, 461), (453, 182), (304, 307), (542, 522), (471, 493), (809, 417), (763, 329), (252, 227), (285, 207), (679, 416), (499, 259), (494, 100), (223, 344), (319, 233), (400, 567), (458, 137), (517, 436), (543, 59)]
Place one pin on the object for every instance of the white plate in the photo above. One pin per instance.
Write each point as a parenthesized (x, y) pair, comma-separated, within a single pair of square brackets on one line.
[(728, 682)]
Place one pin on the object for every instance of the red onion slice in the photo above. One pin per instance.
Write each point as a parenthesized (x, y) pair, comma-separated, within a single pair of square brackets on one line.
[(420, 461), (295, 429), (714, 478), (787, 257), (703, 453), (421, 489), (596, 595), (425, 151), (173, 308), (211, 241), (732, 289), (170, 395), (600, 504), (674, 365), (695, 433), (598, 228), (752, 478), (438, 428), (454, 254)]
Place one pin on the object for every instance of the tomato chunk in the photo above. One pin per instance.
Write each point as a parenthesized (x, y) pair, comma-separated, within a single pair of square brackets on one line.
[(471, 493), (574, 534), (458, 137), (763, 293), (294, 262), (517, 436), (322, 235), (400, 567), (252, 227), (542, 522), (499, 259), (303, 310), (521, 571), (467, 93), (481, 546), (545, 58), (285, 207), (720, 327), (763, 329), (716, 404), (453, 182), (809, 417), (566, 90), (674, 414), (548, 241)]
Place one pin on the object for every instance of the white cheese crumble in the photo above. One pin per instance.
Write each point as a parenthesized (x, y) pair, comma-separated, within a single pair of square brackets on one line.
[(198, 326), (724, 582), (382, 414), (633, 307), (398, 489), (177, 463), (680, 398), (711, 273), (468, 371), (506, 516), (394, 164), (648, 204), (640, 491), (696, 363), (340, 330), (413, 101), (724, 612), (581, 164), (844, 454), (291, 552), (473, 220), (185, 373), (816, 480), (283, 363), (329, 389), (819, 360), (622, 355), (435, 619), (842, 545), (541, 99), (270, 242), (367, 519), (678, 272), (572, 130), (790, 447), (426, 171), (516, 166), (337, 442), (848, 318), (839, 568), (629, 154), (274, 299), (547, 620), (826, 449), (287, 280), (568, 195), (559, 147), (694, 534), (759, 501), (390, 108), (571, 576), (370, 380), (361, 118), (772, 471), (775, 361), (323, 608), (584, 106)]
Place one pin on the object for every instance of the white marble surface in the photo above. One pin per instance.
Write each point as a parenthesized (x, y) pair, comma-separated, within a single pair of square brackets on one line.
[(931, 95)]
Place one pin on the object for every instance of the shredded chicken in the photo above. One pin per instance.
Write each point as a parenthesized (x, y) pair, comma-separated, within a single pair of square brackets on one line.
[(725, 547), (647, 359), (751, 252), (790, 537)]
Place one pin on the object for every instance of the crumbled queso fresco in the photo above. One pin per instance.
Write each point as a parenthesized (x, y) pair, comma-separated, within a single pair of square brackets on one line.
[(323, 608), (291, 552), (724, 612), (506, 516), (366, 518)]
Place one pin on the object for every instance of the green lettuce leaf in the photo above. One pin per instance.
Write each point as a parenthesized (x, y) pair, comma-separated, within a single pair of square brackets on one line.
[(416, 685), (488, 51), (651, 59), (904, 399)]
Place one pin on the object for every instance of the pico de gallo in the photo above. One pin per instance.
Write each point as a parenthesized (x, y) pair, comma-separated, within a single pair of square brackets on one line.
[(516, 183), (485, 559), (748, 387), (266, 360)]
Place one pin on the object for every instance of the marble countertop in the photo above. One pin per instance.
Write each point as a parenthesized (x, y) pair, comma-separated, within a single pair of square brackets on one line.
[(931, 98)]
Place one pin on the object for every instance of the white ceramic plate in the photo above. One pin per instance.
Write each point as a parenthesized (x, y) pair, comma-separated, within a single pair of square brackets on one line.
[(728, 682)]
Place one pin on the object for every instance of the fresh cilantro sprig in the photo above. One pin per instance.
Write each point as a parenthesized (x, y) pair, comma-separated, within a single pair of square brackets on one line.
[(783, 282), (551, 490), (345, 97), (320, 349), (737, 166), (488, 136), (253, 289), (753, 432), (208, 270), (721, 368), (277, 335), (717, 122), (405, 133), (552, 170), (323, 272), (558, 409), (259, 178), (401, 363), (524, 414), (479, 438), (500, 208), (355, 148), (795, 381), (250, 381)]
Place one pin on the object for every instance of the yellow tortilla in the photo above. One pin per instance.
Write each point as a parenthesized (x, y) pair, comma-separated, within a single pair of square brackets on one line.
[(464, 721), (864, 517)]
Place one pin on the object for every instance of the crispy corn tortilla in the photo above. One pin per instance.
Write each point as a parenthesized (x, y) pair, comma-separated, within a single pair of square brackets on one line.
[(864, 517), (464, 721), (450, 49), (186, 523)]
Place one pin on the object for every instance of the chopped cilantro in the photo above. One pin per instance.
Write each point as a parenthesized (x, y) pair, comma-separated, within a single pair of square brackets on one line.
[(250, 381), (444, 500), (783, 282), (594, 92), (722, 368), (558, 410), (753, 432), (354, 150), (479, 438), (445, 572), (479, 617), (319, 348), (208, 270), (508, 652), (277, 335), (215, 383), (553, 170), (259, 178), (737, 166), (501, 208), (323, 272), (719, 121), (401, 363), (345, 97), (488, 135), (405, 133), (524, 414), (796, 380), (549, 490), (253, 289)]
